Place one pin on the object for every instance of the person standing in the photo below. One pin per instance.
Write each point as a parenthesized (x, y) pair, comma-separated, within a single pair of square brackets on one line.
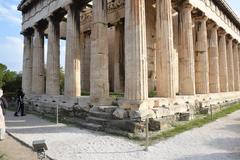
[(20, 103), (3, 107)]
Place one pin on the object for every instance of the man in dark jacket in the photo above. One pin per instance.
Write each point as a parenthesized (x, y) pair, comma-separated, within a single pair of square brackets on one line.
[(20, 103)]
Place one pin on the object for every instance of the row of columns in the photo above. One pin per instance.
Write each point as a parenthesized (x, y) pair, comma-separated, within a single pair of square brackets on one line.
[(33, 68), (208, 62)]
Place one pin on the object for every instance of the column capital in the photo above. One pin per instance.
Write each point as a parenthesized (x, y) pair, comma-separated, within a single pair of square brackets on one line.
[(229, 37), (54, 18), (212, 25), (235, 42), (41, 26), (186, 6), (221, 32), (28, 32), (199, 18)]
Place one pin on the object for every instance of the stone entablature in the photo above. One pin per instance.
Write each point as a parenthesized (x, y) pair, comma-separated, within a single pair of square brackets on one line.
[(42, 10), (116, 11), (45, 8)]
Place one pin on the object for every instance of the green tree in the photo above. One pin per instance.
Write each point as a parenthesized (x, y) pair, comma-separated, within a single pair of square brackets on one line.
[(61, 80), (13, 82), (3, 69), (10, 81)]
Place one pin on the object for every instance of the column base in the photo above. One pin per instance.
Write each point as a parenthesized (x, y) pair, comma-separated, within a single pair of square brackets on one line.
[(137, 109)]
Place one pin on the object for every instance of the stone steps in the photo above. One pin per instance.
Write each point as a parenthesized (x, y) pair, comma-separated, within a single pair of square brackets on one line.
[(87, 125), (98, 114), (96, 120), (108, 109)]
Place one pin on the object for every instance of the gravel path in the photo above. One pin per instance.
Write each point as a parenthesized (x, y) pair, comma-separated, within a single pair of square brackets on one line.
[(15, 151), (219, 140)]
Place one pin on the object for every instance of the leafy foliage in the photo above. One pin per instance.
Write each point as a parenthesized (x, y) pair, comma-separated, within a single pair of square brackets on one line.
[(61, 80), (10, 81)]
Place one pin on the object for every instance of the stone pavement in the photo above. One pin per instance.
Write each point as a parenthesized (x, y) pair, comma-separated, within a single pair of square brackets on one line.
[(219, 140)]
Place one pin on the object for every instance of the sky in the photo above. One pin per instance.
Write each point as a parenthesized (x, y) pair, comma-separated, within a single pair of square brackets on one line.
[(11, 42)]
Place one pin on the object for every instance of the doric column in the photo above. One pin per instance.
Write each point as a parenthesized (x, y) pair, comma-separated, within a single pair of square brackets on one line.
[(38, 73), (213, 55), (119, 58), (165, 65), (236, 66), (99, 78), (230, 64), (186, 51), (201, 56), (151, 43), (53, 57), (175, 51), (239, 58), (72, 85), (136, 75), (85, 60), (27, 63), (223, 68)]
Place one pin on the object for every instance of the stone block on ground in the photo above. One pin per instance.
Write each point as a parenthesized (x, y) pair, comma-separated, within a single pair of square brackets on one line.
[(204, 111), (161, 112), (94, 109), (159, 124), (120, 113), (184, 117), (141, 115), (84, 108), (109, 109)]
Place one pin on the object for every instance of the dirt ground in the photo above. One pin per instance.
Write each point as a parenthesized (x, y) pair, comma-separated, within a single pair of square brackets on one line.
[(14, 150)]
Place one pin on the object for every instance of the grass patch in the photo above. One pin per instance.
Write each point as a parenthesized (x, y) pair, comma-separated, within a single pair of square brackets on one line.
[(152, 94), (116, 95), (3, 156), (196, 123)]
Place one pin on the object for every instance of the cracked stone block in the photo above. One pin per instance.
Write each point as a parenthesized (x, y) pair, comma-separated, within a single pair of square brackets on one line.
[(120, 113)]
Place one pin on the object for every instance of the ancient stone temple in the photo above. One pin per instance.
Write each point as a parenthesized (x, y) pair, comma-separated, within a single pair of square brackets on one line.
[(185, 53)]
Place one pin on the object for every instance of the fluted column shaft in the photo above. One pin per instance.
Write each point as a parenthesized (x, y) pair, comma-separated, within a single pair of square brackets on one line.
[(230, 65), (151, 44), (201, 56), (223, 71), (239, 59), (99, 78), (236, 67), (72, 85), (53, 58), (27, 64), (38, 80), (213, 54), (85, 60), (186, 52), (119, 58), (136, 74), (165, 57)]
